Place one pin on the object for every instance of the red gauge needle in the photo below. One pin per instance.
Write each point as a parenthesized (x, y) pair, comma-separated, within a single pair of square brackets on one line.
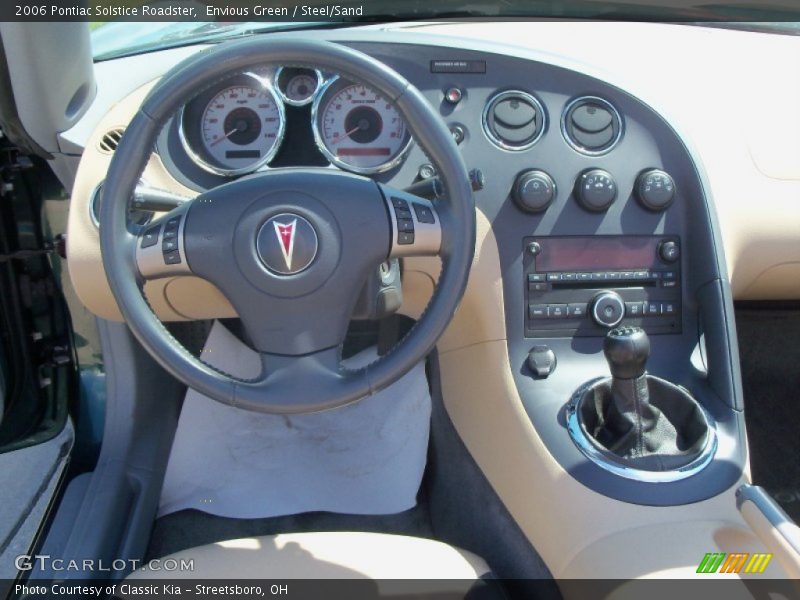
[(225, 137), (346, 135)]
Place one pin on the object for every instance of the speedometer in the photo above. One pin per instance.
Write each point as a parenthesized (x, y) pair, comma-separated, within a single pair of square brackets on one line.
[(239, 130), (356, 128)]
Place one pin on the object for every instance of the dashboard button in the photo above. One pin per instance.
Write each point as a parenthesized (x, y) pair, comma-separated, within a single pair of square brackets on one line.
[(537, 311), (537, 287), (554, 277), (576, 310), (634, 309), (652, 309), (557, 311), (584, 276), (668, 308), (599, 276), (569, 276), (536, 277)]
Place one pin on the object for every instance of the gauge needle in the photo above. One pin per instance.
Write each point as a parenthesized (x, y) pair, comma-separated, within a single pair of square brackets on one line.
[(346, 135), (225, 137)]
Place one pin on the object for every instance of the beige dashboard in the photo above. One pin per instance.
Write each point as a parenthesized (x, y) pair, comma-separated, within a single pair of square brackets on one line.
[(742, 122), (754, 176)]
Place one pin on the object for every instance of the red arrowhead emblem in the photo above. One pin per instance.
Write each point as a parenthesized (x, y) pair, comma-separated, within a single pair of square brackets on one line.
[(285, 233)]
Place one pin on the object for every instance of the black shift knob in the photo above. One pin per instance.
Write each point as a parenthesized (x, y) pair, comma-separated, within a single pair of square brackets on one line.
[(627, 350)]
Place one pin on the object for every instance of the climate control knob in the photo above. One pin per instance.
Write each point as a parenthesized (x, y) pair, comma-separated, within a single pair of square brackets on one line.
[(596, 190), (655, 189), (534, 191), (608, 308)]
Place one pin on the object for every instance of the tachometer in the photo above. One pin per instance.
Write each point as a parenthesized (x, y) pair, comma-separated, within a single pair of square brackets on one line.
[(358, 129), (240, 129)]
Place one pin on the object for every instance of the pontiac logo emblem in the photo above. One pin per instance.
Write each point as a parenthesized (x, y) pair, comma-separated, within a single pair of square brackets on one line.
[(287, 244), (285, 233)]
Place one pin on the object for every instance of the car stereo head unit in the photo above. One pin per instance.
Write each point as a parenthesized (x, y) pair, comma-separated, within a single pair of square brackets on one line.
[(584, 285)]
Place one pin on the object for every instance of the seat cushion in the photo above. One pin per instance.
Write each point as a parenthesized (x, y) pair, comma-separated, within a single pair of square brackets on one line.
[(334, 555)]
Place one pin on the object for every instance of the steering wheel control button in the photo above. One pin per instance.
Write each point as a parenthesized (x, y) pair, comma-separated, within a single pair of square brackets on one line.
[(287, 244), (608, 309), (405, 239), (172, 258), (424, 214), (655, 189), (669, 251), (541, 361), (534, 191), (150, 237), (169, 245), (596, 190)]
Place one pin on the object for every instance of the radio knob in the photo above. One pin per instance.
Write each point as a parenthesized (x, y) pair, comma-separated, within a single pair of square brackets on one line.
[(608, 309), (534, 191), (669, 251), (655, 189), (596, 190)]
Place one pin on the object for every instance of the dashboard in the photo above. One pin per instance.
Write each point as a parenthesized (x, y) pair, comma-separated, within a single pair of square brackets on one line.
[(615, 188)]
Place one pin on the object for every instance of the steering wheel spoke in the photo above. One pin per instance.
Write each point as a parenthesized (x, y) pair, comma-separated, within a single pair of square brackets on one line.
[(416, 224), (160, 248), (296, 384)]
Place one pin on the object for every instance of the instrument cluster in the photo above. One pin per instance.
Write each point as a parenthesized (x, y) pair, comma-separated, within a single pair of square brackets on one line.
[(239, 126)]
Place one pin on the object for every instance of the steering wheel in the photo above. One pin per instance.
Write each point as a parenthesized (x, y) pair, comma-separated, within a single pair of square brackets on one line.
[(289, 248)]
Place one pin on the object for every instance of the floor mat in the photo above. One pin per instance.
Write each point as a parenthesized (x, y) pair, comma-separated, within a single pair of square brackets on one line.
[(365, 458), (192, 528), (769, 346)]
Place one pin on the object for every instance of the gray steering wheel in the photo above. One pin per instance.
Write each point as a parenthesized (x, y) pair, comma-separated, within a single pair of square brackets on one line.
[(289, 248)]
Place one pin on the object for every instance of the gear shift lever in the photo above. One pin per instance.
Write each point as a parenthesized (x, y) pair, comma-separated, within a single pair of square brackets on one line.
[(643, 421), (627, 350)]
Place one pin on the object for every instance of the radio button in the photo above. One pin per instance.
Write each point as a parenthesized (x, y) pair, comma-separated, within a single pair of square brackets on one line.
[(584, 276), (669, 284), (652, 309), (641, 275), (576, 310), (537, 287), (599, 276), (613, 275), (554, 277), (537, 311), (634, 309), (536, 277), (668, 275), (557, 311), (569, 276), (668, 308)]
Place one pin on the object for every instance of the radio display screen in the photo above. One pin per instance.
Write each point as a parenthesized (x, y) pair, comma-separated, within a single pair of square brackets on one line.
[(593, 253)]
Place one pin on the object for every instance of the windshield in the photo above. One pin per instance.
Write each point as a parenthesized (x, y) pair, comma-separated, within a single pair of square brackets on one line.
[(117, 38)]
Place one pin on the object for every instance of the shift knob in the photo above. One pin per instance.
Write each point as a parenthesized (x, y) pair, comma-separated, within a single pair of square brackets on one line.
[(627, 350)]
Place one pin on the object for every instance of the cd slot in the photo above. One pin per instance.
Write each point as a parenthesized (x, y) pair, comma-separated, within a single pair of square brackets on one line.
[(590, 285)]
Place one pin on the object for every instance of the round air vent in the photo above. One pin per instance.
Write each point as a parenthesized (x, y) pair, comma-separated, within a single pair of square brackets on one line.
[(591, 125), (110, 140), (514, 120)]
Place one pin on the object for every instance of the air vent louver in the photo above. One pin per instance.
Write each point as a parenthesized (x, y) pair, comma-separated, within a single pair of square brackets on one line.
[(514, 120), (592, 125), (110, 140)]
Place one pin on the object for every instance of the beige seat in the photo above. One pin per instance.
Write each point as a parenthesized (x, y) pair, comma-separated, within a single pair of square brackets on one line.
[(336, 555)]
